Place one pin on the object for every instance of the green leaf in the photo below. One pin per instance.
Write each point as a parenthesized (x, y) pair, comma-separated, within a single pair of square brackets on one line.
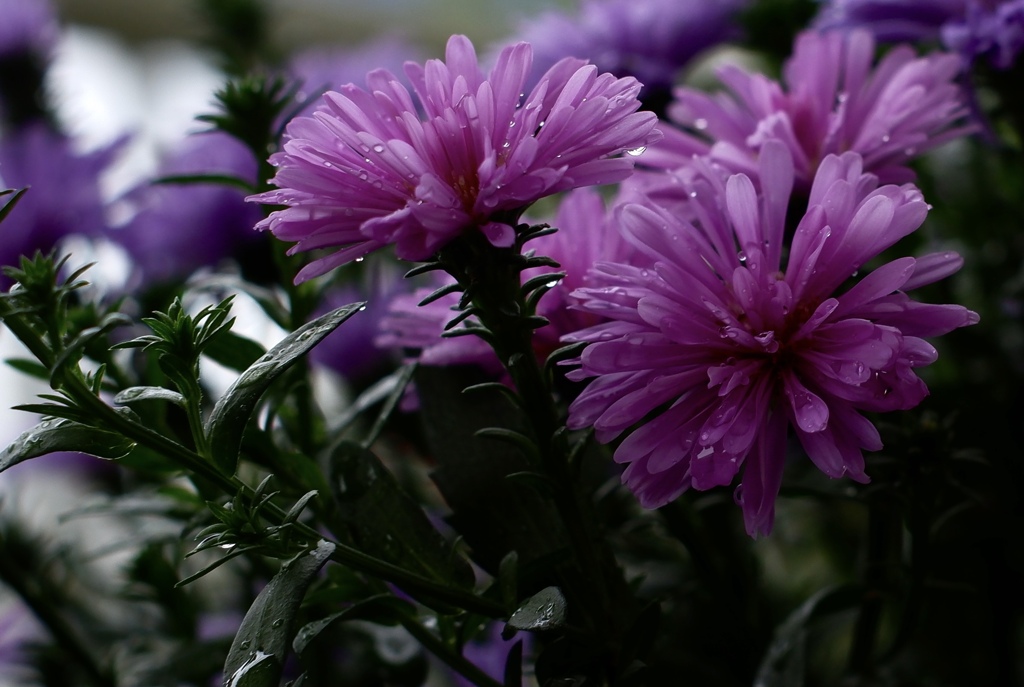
[(388, 389), (233, 351), (134, 394), (386, 523), (9, 205), (230, 415), (545, 610), (216, 179), (782, 665), (53, 435), (495, 514), (382, 609), (257, 655), (29, 367)]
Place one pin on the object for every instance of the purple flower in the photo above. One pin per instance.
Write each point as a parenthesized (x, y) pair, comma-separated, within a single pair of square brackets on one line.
[(330, 68), (989, 29), (366, 170), (350, 350), (17, 628), (180, 227), (29, 27), (832, 101), (721, 345), (586, 235), (994, 33), (651, 40), (63, 198), (892, 20)]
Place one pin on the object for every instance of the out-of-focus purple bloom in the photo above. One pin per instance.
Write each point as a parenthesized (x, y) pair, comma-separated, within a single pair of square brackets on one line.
[(832, 100), (366, 170), (652, 40), (180, 227), (995, 34), (894, 21), (586, 235), (17, 628), (322, 69), (28, 34), (29, 27), (992, 30), (350, 350), (728, 345), (63, 198)]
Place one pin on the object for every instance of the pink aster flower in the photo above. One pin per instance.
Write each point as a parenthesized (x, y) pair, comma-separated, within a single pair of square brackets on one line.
[(366, 170), (832, 100), (586, 235), (722, 345)]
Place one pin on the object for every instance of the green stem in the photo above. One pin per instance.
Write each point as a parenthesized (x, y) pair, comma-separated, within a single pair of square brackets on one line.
[(884, 534), (492, 279), (455, 660), (347, 555)]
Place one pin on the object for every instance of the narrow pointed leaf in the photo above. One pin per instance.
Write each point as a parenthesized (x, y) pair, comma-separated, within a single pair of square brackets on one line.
[(258, 652), (135, 394), (230, 415), (382, 609), (54, 435), (385, 522)]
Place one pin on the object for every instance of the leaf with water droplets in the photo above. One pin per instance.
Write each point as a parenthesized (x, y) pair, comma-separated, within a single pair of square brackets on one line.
[(232, 412), (381, 609), (386, 523), (545, 610), (135, 394), (53, 435), (257, 654)]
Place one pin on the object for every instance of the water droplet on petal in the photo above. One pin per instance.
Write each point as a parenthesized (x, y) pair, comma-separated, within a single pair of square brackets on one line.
[(378, 148), (741, 256), (636, 151), (700, 124)]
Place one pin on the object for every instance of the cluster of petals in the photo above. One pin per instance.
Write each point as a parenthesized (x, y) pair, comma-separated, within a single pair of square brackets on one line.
[(988, 29), (892, 20), (586, 235), (63, 195), (649, 39), (718, 347), (367, 170), (833, 99)]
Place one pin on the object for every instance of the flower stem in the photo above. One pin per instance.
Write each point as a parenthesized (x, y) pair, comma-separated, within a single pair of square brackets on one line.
[(883, 538), (491, 278)]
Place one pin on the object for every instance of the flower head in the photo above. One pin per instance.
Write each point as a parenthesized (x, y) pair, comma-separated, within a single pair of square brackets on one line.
[(64, 196), (994, 33), (181, 227), (992, 30), (832, 100), (892, 20), (366, 170), (651, 40), (721, 345)]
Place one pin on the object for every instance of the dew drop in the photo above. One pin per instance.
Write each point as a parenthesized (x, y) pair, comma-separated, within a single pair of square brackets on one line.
[(360, 259), (378, 148), (636, 151), (700, 124), (327, 164), (886, 138), (741, 256), (363, 175), (693, 194)]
